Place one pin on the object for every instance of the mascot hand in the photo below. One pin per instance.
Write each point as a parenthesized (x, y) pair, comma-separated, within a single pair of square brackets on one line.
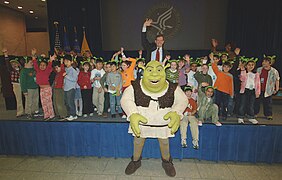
[(135, 118), (174, 121)]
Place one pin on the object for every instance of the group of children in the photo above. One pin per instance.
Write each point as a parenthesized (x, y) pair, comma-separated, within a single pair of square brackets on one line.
[(216, 87)]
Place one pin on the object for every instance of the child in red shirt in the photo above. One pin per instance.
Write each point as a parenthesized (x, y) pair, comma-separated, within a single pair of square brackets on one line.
[(43, 71), (86, 89), (58, 96), (189, 117)]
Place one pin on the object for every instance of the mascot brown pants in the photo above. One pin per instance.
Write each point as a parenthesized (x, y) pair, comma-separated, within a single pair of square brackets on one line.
[(139, 143)]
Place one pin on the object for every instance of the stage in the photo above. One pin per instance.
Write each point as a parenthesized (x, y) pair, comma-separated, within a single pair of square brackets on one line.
[(107, 137)]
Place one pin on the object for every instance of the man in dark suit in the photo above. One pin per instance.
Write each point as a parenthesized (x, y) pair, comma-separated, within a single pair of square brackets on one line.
[(155, 50)]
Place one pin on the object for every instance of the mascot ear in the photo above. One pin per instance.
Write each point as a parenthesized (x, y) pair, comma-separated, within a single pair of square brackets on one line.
[(141, 66), (167, 66)]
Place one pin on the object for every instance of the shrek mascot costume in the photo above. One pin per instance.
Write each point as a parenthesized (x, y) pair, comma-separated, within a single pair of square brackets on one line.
[(154, 108)]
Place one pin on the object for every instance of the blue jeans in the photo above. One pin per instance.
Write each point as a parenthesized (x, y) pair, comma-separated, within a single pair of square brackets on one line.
[(69, 102), (115, 104), (266, 102), (247, 102), (221, 100)]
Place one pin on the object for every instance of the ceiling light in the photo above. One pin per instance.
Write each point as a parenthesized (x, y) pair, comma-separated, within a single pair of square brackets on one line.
[(43, 0), (31, 11), (6, 2), (20, 7)]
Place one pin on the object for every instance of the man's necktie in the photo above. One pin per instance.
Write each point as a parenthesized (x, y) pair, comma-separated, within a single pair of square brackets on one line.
[(158, 55)]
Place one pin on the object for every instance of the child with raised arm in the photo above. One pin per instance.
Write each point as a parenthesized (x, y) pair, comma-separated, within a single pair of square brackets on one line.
[(29, 88), (249, 91), (183, 66), (43, 71), (127, 71), (189, 117), (114, 81), (15, 80), (224, 85)]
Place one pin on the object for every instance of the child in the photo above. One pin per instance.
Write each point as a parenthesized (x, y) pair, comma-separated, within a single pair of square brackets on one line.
[(107, 69), (98, 92), (269, 79), (172, 73), (191, 81), (224, 85), (114, 81), (139, 71), (250, 90), (203, 76), (70, 81), (183, 65), (127, 71), (43, 71), (58, 95), (207, 107), (189, 116), (15, 77), (77, 98), (86, 89), (29, 88)]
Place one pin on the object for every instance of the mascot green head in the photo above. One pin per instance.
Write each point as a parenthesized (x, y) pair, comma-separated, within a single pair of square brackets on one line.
[(154, 78)]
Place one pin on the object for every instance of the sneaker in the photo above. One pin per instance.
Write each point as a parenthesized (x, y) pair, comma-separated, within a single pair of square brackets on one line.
[(168, 167), (85, 115), (37, 114), (218, 124), (70, 118), (49, 118), (99, 114), (123, 116), (133, 166), (183, 143), (240, 121), (91, 114), (195, 144), (95, 109), (253, 121), (270, 118), (200, 123), (79, 114), (29, 116)]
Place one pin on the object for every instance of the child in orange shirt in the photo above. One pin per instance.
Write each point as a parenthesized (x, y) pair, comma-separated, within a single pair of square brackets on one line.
[(127, 72), (224, 85)]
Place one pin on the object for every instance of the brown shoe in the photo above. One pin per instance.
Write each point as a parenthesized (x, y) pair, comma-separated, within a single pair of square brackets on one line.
[(105, 115), (133, 166), (168, 167)]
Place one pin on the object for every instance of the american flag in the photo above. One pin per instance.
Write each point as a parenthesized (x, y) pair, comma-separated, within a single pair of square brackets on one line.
[(57, 37), (76, 43)]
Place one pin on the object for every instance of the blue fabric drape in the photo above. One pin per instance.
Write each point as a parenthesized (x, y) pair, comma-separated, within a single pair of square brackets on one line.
[(245, 143)]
